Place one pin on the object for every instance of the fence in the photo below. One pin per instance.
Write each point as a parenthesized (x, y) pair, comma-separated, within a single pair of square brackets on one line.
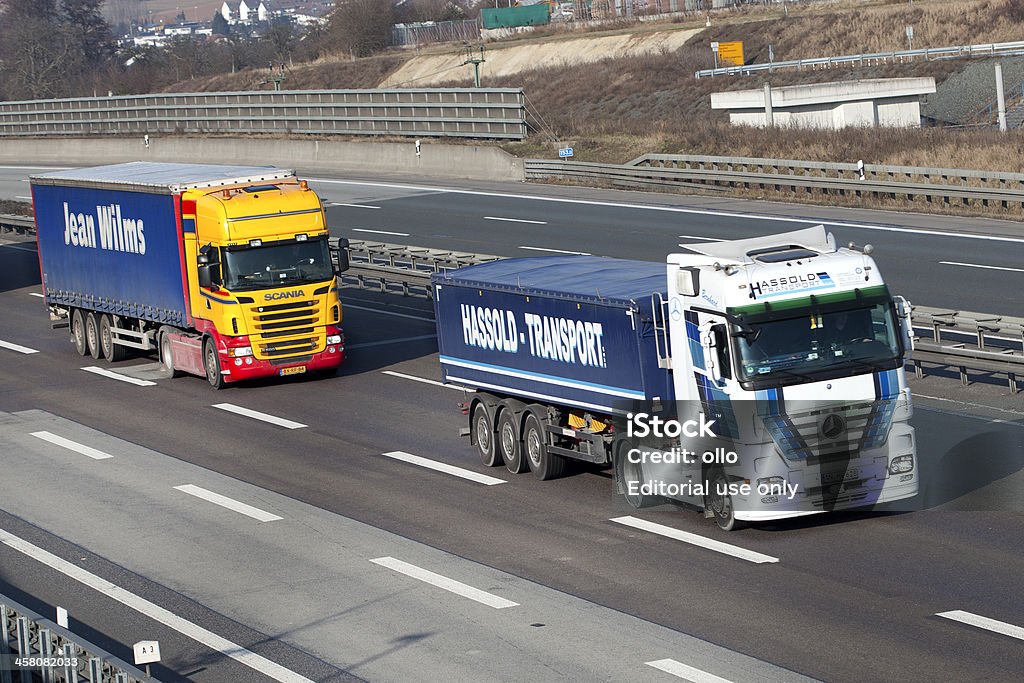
[(946, 185), (414, 35), (442, 112), (870, 59), (68, 659)]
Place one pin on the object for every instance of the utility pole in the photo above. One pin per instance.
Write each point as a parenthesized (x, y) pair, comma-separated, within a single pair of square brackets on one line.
[(476, 62)]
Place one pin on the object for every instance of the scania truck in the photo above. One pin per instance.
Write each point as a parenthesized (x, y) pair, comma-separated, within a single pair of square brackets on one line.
[(779, 360), (224, 270)]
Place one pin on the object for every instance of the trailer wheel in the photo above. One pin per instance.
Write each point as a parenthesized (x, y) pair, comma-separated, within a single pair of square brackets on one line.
[(111, 351), (92, 336), (544, 464), (78, 332), (508, 443), (166, 356), (625, 472), (483, 436), (721, 503), (211, 363)]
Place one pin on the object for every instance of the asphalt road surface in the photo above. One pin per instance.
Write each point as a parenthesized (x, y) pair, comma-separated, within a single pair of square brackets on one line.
[(295, 548)]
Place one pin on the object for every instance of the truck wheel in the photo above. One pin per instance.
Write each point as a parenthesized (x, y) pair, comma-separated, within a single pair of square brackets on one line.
[(625, 472), (78, 332), (166, 357), (211, 362), (508, 443), (545, 465), (483, 436), (92, 336), (721, 503), (111, 351)]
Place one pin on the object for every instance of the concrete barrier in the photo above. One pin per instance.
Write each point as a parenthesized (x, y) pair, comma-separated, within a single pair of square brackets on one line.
[(435, 159)]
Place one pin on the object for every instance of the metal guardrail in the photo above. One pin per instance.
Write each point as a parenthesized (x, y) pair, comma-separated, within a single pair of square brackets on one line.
[(945, 185), (498, 113), (870, 59), (25, 634), (22, 225), (995, 343)]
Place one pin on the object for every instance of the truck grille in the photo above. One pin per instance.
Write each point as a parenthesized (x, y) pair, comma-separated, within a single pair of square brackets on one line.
[(282, 330), (831, 432)]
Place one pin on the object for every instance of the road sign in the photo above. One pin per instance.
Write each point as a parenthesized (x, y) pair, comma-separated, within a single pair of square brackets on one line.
[(714, 46), (565, 152), (147, 651), (731, 53)]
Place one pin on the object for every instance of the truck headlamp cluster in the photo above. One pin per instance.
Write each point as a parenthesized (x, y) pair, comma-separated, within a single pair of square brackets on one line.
[(239, 351), (901, 464), (334, 339)]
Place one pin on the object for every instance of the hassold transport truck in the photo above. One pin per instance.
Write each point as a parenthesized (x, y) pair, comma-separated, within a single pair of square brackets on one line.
[(225, 270), (791, 347)]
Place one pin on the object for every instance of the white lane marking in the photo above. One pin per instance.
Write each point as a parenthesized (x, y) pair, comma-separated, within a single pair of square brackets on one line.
[(514, 220), (21, 197), (687, 537), (36, 294), (155, 612), (390, 341), (17, 248), (397, 315), (257, 415), (119, 377), (354, 206), (686, 672), (558, 251), (444, 467), (698, 237), (677, 209), (443, 582), (229, 503), (16, 347), (979, 621), (72, 445), (424, 380), (381, 232), (979, 265)]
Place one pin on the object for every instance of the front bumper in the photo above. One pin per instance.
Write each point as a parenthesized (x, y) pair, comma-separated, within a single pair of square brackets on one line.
[(248, 367)]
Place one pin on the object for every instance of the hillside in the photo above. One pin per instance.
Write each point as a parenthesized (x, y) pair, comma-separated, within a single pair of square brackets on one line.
[(617, 94)]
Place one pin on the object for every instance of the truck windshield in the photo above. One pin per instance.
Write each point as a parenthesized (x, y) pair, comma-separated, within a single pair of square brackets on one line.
[(276, 263), (814, 344)]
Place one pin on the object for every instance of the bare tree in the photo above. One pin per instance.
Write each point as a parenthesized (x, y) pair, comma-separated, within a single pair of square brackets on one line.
[(361, 27)]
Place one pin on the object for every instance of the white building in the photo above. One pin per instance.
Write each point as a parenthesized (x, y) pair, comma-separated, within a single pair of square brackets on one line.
[(261, 13), (243, 13), (225, 11), (887, 102)]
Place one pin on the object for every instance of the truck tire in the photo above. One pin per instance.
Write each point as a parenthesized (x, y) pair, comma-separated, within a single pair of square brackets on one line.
[(509, 444), (625, 472), (166, 357), (721, 504), (111, 351), (211, 363), (78, 332), (544, 464), (483, 436), (92, 336)]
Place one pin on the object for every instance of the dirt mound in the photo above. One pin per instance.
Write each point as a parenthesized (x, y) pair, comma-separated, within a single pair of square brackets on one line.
[(430, 70)]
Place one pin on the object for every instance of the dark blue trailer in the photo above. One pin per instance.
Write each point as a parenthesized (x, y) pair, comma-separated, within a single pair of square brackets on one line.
[(557, 348)]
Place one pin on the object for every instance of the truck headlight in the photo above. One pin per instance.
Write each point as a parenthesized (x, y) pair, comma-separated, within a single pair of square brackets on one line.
[(334, 339), (239, 351), (777, 482), (901, 464)]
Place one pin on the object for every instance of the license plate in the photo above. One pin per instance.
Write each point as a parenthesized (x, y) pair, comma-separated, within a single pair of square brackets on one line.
[(835, 477), (297, 370)]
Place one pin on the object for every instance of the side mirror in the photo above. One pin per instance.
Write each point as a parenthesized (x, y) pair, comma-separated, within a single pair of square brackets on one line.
[(709, 343), (205, 276), (903, 312), (342, 250)]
